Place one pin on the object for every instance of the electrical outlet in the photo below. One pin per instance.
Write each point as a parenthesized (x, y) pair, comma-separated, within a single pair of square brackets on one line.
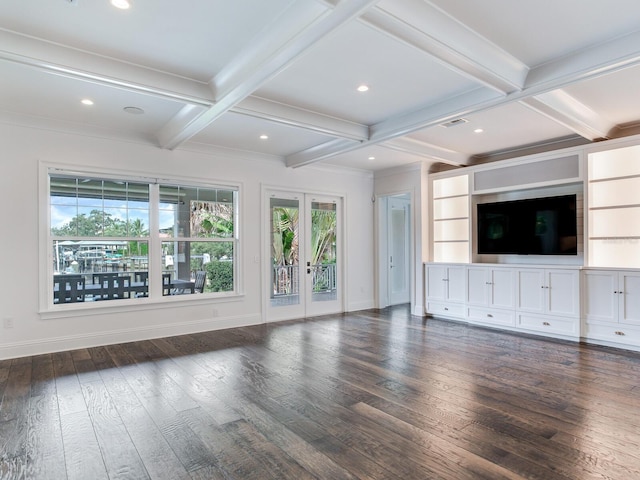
[(7, 323)]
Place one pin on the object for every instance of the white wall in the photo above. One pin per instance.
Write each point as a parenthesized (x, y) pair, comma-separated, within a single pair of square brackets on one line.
[(22, 151), (412, 180)]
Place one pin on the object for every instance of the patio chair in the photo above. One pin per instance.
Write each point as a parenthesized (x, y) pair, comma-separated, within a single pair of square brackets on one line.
[(201, 278)]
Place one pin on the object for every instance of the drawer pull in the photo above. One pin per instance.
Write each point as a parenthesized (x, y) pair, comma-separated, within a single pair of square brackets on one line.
[(620, 333), (489, 315), (546, 324), (446, 308)]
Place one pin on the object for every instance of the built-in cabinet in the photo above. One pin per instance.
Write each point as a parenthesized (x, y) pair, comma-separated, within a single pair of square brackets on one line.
[(611, 306), (549, 300), (594, 295), (445, 289), (490, 295), (544, 301)]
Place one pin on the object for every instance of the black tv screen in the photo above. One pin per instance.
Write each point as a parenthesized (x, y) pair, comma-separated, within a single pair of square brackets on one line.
[(537, 226)]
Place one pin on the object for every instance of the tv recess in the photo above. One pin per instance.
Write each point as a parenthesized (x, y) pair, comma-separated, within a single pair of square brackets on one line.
[(535, 226)]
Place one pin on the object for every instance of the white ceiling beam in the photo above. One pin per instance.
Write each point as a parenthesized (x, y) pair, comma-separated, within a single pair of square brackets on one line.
[(266, 58), (426, 150), (297, 117), (401, 125), (566, 110), (602, 59), (60, 60), (426, 27), (321, 152), (623, 52)]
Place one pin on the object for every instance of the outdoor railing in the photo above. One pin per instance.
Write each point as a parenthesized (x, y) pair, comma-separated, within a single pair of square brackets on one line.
[(285, 279)]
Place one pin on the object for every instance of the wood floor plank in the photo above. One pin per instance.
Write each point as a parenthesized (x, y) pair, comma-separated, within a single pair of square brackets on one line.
[(82, 455), (156, 454), (375, 394)]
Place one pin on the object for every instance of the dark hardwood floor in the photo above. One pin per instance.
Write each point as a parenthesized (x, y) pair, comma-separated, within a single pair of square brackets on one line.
[(369, 395)]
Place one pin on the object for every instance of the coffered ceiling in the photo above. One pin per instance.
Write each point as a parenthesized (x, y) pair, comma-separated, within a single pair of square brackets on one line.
[(218, 74)]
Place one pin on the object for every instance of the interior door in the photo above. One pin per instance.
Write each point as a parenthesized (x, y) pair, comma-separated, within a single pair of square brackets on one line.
[(399, 250), (305, 260)]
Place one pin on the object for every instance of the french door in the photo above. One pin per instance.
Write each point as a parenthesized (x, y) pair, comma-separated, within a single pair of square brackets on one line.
[(305, 250)]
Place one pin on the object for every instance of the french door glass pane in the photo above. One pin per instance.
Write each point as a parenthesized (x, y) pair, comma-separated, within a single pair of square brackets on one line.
[(285, 251), (323, 251)]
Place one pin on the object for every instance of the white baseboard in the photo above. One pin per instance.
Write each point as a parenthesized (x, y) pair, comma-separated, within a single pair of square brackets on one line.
[(357, 306), (60, 344)]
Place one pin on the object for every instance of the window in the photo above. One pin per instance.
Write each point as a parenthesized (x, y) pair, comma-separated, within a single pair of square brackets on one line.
[(103, 246)]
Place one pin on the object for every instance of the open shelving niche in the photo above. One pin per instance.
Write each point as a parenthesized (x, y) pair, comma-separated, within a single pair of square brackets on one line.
[(451, 219), (614, 208)]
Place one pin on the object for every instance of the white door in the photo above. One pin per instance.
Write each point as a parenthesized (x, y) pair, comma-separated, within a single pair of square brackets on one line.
[(305, 255), (398, 222)]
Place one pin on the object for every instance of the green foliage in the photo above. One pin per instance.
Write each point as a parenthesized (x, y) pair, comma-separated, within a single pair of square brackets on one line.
[(285, 236), (220, 276), (100, 224)]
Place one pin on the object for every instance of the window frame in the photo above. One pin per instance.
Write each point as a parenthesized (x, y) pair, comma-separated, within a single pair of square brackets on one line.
[(154, 239)]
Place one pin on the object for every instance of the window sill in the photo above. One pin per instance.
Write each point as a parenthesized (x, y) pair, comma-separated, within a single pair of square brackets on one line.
[(134, 305)]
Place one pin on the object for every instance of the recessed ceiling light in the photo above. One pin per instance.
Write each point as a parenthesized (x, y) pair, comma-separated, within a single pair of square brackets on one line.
[(121, 4), (134, 110), (372, 158), (86, 101), (264, 137), (363, 88), (478, 130)]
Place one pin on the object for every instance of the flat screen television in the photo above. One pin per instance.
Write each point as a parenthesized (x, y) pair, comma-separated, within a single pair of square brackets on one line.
[(536, 226)]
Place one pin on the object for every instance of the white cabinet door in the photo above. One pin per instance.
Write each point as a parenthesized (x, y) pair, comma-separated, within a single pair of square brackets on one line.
[(530, 291), (600, 297), (549, 292), (502, 288), (436, 282), (445, 282), (562, 292), (629, 294), (456, 285), (477, 286)]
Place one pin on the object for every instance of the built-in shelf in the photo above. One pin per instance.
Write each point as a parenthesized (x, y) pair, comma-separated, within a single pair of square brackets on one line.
[(614, 208), (450, 219)]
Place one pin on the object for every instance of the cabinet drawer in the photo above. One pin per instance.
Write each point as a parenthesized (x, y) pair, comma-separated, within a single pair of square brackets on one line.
[(445, 309), (613, 333), (551, 325), (491, 316)]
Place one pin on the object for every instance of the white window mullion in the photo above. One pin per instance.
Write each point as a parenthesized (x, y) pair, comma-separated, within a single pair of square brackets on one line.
[(155, 244)]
